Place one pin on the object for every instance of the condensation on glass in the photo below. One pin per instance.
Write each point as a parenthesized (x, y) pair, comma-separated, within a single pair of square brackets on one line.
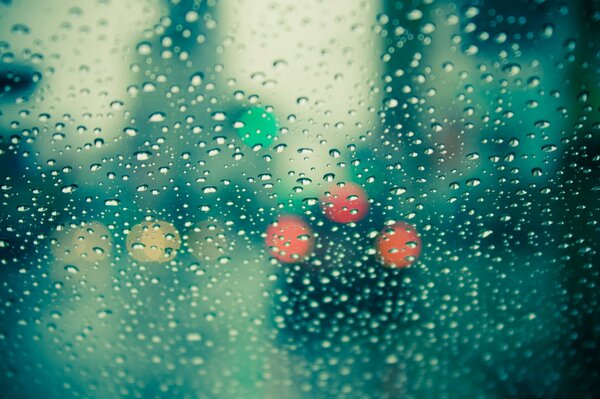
[(282, 199)]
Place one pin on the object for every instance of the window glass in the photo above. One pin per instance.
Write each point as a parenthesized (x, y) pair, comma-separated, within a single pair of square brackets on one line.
[(284, 199)]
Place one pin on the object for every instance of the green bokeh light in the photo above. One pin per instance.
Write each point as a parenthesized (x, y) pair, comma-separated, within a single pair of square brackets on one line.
[(260, 127)]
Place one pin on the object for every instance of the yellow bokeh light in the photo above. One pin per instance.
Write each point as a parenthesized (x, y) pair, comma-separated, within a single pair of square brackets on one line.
[(208, 241), (153, 241), (89, 242)]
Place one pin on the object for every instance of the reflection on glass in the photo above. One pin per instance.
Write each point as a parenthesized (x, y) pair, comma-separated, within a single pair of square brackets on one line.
[(319, 199)]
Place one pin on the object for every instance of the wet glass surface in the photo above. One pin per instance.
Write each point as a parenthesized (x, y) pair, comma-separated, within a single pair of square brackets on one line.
[(282, 199)]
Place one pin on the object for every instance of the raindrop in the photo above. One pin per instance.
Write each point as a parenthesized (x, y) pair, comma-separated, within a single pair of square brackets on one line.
[(157, 117)]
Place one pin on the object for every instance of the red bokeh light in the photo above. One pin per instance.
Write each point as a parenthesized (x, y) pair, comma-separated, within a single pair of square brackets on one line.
[(290, 239), (399, 245), (345, 204)]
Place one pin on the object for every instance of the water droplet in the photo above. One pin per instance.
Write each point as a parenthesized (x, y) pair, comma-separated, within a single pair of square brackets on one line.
[(142, 155), (157, 117)]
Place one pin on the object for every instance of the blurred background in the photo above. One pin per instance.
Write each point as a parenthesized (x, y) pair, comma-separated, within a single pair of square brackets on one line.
[(198, 199)]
